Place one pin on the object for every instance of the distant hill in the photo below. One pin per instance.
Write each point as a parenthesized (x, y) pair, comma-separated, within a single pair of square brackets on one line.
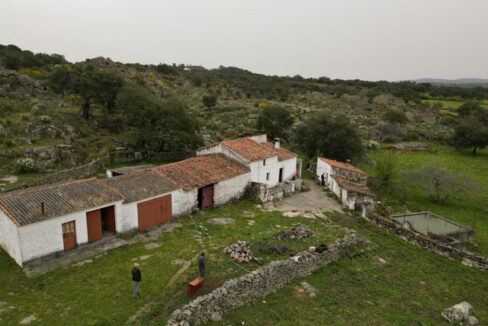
[(465, 82)]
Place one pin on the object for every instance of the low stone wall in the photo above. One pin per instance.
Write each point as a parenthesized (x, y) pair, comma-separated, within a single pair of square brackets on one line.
[(266, 194), (78, 172), (430, 244), (91, 168), (259, 283)]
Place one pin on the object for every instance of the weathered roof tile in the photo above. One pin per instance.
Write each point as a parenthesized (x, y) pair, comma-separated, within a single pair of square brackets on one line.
[(24, 206)]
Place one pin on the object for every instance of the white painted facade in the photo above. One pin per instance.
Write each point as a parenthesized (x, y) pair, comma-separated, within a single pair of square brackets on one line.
[(43, 238), (9, 238), (227, 190), (325, 170), (184, 201)]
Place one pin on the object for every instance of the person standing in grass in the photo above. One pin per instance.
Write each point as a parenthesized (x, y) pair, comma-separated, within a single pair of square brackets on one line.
[(136, 278), (201, 264)]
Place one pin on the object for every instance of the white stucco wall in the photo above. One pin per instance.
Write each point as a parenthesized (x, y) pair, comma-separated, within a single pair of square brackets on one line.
[(260, 138), (127, 220), (46, 237), (212, 149), (9, 238), (273, 166), (322, 168), (184, 201), (226, 190)]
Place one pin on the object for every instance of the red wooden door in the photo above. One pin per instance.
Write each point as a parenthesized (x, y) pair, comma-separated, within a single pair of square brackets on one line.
[(208, 196), (153, 212), (94, 225), (69, 235)]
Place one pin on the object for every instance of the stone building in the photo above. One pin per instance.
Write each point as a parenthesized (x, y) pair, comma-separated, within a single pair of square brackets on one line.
[(347, 182)]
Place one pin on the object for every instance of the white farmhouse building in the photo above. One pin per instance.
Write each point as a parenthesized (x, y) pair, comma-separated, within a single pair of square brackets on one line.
[(270, 164), (41, 221), (347, 182)]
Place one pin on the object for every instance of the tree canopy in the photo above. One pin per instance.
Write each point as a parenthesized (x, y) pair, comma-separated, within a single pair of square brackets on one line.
[(331, 136), (276, 121), (159, 125)]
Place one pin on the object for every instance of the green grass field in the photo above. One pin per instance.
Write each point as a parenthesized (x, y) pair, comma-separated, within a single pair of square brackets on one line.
[(99, 293), (449, 104), (411, 288), (470, 211)]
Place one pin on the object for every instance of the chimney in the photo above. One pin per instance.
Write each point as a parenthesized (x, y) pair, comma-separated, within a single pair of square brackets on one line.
[(348, 161), (277, 143), (42, 207)]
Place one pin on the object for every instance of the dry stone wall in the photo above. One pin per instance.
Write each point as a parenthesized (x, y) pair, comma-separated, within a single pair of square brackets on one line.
[(259, 283), (430, 244)]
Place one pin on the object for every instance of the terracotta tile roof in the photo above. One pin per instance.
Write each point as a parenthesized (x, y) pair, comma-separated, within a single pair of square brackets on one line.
[(283, 154), (250, 149), (345, 166), (201, 170), (140, 185), (24, 206), (353, 186)]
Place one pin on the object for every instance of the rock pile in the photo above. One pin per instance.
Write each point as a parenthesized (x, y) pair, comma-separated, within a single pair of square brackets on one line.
[(295, 232), (240, 251), (460, 314)]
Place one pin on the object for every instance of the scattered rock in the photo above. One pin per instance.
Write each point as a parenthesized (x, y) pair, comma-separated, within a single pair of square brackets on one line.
[(250, 222), (460, 314), (381, 260), (310, 290), (295, 232), (27, 320), (81, 263), (222, 221), (145, 257), (247, 213), (152, 245)]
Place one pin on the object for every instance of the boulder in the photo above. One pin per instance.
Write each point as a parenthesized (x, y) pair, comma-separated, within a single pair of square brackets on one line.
[(460, 314)]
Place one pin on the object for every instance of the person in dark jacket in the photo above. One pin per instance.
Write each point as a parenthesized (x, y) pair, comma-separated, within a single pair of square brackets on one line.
[(201, 264), (136, 278)]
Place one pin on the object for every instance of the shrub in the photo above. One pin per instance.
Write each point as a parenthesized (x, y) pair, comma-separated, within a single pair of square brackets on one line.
[(395, 116), (45, 119), (24, 165)]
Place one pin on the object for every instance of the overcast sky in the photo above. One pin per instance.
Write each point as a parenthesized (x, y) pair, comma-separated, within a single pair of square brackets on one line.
[(365, 39)]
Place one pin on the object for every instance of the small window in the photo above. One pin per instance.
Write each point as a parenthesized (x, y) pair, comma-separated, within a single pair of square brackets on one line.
[(68, 229), (267, 176), (264, 162)]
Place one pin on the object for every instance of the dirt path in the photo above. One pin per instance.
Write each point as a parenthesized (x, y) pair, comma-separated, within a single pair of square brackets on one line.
[(309, 203)]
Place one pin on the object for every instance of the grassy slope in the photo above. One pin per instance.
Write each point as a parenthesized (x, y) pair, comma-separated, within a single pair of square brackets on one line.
[(412, 288), (99, 293), (470, 210)]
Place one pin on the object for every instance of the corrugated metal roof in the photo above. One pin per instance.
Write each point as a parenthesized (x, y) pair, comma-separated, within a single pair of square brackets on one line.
[(140, 185), (24, 206), (201, 170)]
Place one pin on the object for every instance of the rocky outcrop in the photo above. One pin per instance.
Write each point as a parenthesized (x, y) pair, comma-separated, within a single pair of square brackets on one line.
[(259, 283), (461, 314)]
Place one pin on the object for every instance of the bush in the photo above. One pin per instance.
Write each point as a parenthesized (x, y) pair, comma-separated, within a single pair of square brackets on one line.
[(45, 119), (24, 165), (395, 116), (209, 101)]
